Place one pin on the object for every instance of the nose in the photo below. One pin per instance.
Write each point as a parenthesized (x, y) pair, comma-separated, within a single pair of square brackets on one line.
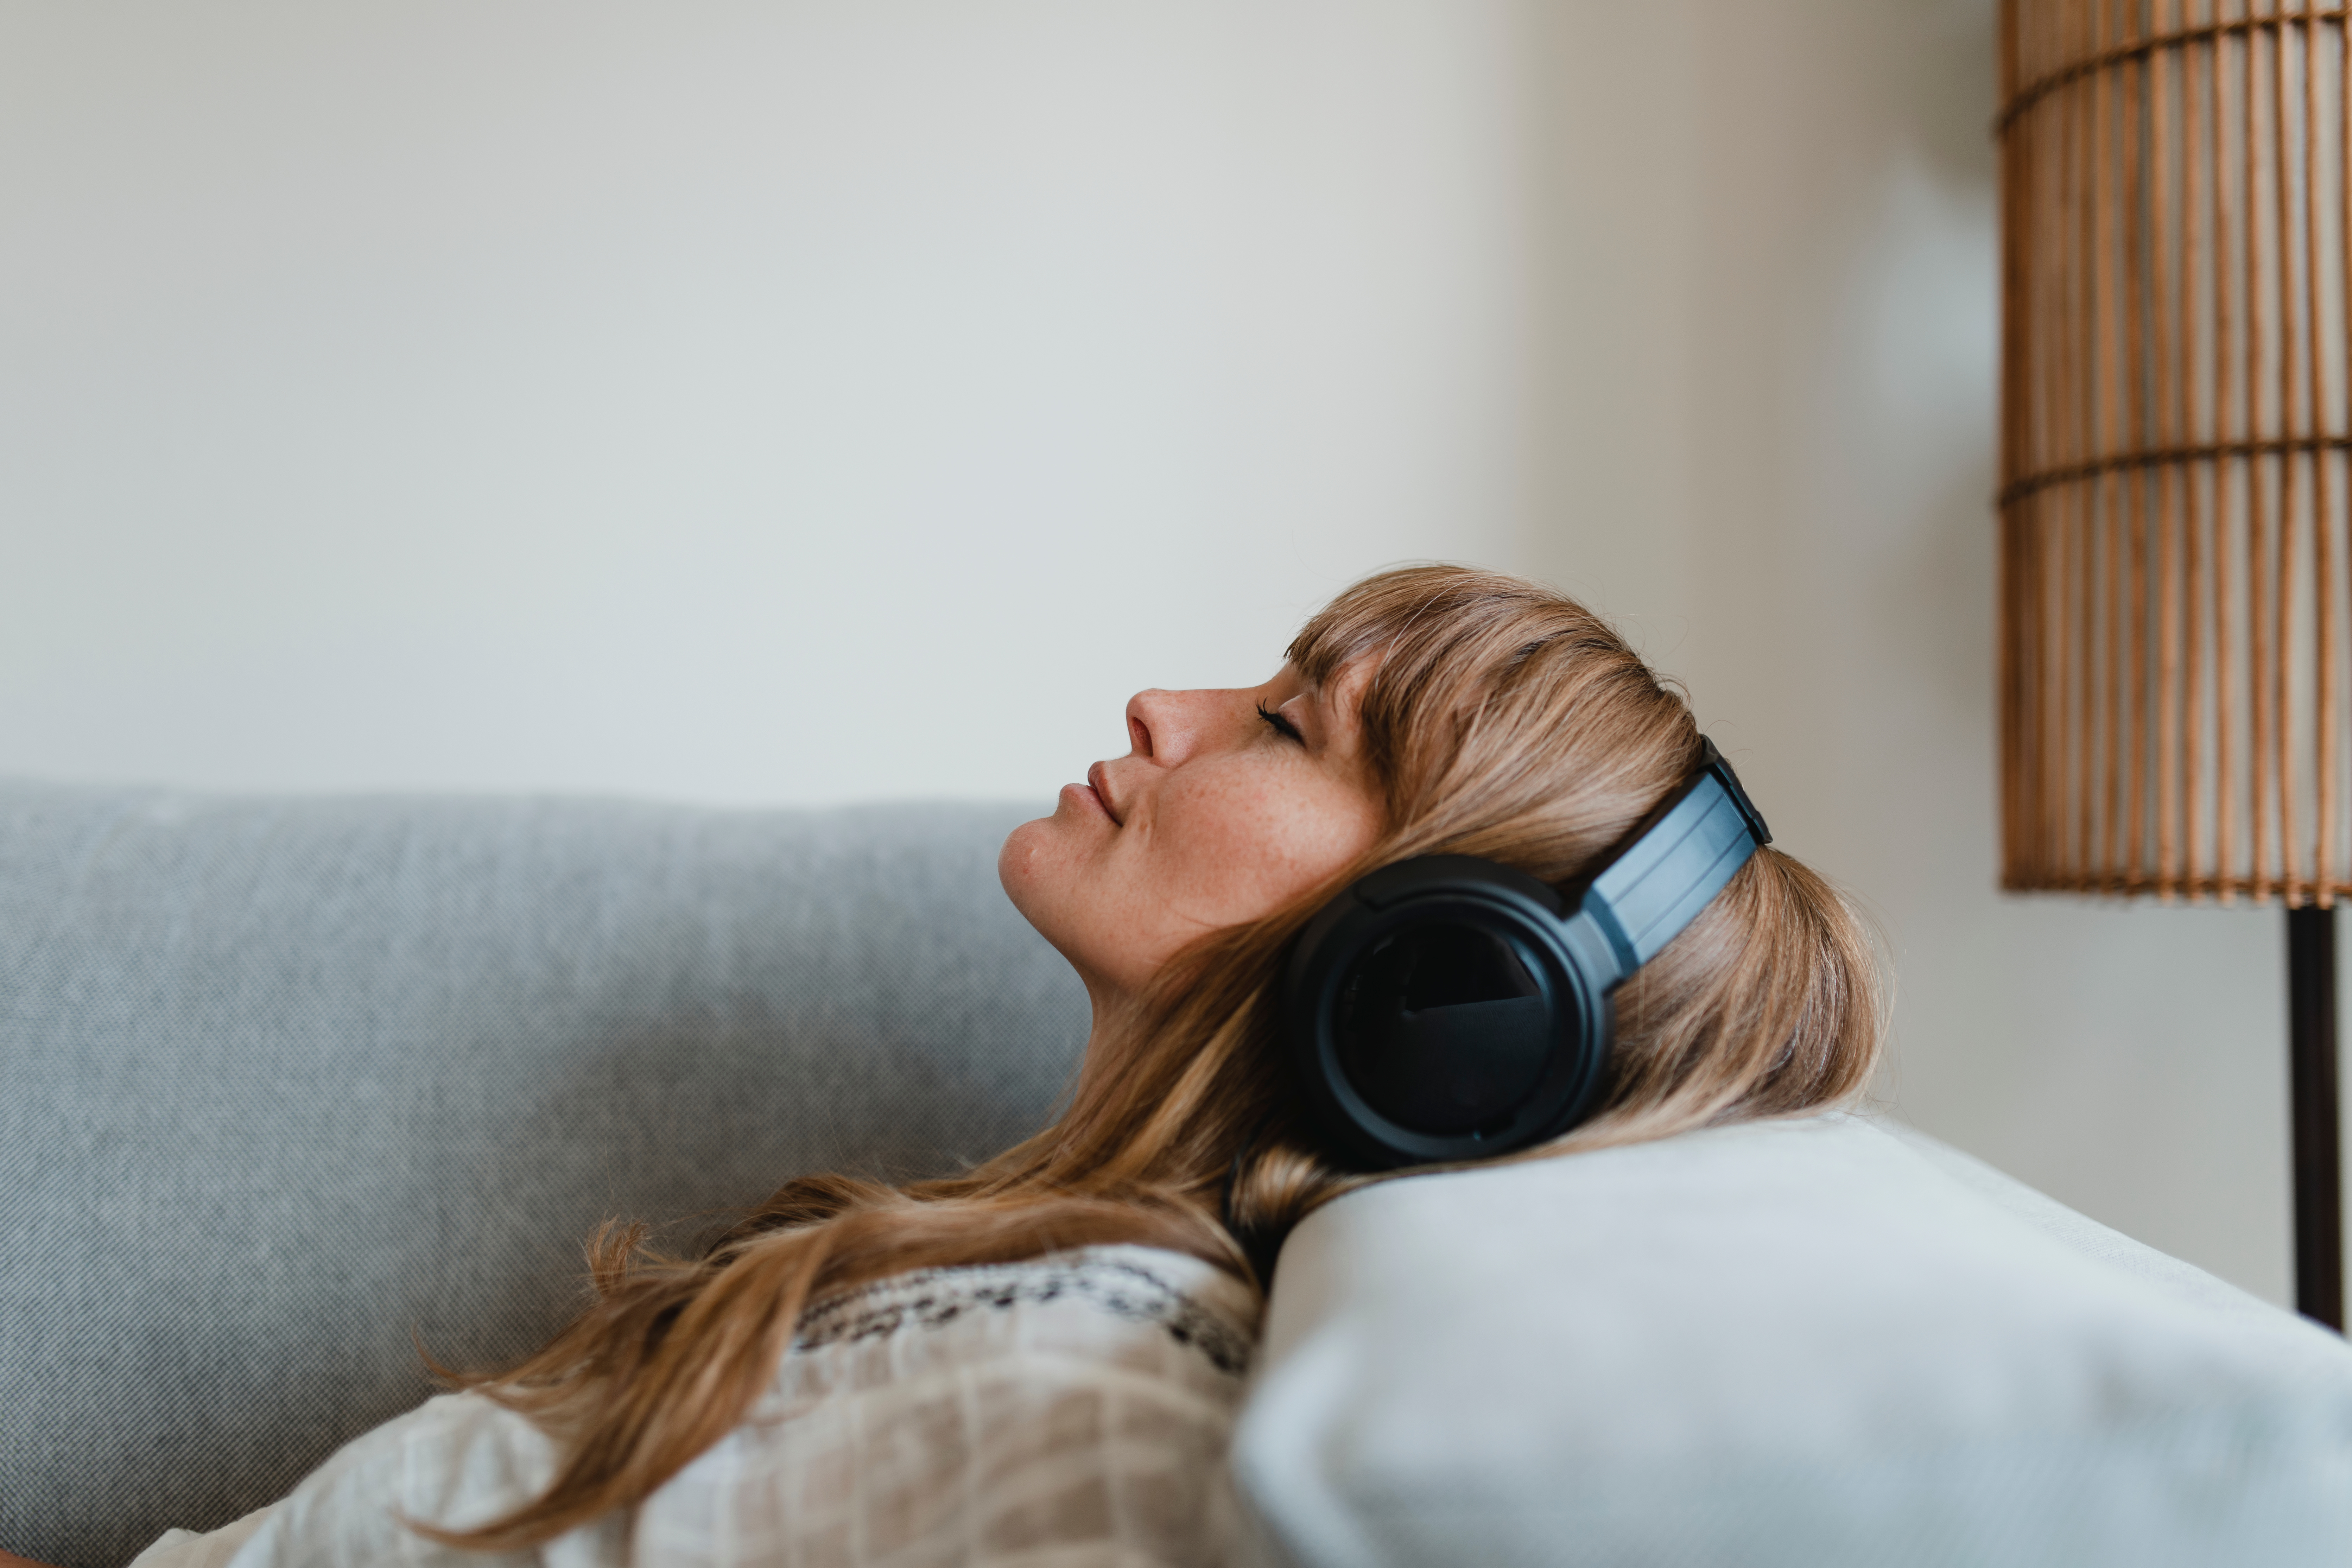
[(1163, 726)]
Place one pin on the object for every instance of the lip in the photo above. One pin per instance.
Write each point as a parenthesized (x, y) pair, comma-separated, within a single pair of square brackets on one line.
[(1098, 787), (1088, 800)]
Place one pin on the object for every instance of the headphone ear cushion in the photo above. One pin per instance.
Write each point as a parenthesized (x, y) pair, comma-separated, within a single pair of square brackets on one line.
[(1441, 1026), (1436, 1012)]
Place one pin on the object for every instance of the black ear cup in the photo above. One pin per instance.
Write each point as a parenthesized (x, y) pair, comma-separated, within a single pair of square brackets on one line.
[(1450, 1008), (1439, 1010)]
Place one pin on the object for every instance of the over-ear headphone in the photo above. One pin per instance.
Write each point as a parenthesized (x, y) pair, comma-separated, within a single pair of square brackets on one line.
[(1452, 1008)]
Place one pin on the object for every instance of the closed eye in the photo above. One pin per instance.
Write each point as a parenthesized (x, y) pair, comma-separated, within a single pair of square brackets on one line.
[(1280, 725)]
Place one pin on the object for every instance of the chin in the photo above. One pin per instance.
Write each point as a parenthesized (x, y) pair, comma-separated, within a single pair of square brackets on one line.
[(1020, 865), (1038, 871)]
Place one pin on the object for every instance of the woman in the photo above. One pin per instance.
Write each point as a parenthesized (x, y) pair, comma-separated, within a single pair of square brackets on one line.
[(1038, 1360)]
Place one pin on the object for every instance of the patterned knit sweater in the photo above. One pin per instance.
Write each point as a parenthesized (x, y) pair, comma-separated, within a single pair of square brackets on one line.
[(1067, 1412)]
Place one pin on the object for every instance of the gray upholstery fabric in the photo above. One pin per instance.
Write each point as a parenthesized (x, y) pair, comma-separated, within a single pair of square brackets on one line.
[(288, 1079)]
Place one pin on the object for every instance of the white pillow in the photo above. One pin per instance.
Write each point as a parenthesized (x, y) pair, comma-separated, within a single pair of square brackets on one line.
[(1823, 1342)]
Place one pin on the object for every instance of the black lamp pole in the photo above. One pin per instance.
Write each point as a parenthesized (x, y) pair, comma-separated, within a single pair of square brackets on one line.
[(2311, 1057)]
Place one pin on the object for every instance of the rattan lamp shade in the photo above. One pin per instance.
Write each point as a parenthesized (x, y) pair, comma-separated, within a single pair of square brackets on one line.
[(2176, 502), (2175, 480)]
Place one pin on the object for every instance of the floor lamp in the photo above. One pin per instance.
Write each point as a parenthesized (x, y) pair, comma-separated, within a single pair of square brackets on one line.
[(2176, 502)]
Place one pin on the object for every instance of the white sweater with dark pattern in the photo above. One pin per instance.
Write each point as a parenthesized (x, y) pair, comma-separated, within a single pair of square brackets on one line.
[(1073, 1410)]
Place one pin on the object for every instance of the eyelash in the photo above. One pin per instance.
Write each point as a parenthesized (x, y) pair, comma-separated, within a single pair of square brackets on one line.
[(1280, 725)]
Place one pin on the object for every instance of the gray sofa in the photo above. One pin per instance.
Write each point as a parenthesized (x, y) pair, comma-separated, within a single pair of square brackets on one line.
[(290, 1081), (287, 1081)]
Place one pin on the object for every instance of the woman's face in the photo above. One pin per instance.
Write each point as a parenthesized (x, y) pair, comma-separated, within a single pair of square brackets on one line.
[(1227, 806)]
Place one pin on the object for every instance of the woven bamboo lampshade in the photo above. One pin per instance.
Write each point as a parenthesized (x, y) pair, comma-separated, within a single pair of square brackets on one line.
[(2176, 500), (2174, 480)]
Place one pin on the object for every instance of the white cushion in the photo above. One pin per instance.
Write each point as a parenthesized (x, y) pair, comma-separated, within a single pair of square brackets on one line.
[(1822, 1341)]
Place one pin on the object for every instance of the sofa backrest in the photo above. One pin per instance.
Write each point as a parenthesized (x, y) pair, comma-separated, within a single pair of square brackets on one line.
[(1827, 1342), (286, 1080)]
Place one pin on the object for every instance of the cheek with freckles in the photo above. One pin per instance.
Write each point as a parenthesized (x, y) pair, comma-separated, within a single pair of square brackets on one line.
[(1226, 847)]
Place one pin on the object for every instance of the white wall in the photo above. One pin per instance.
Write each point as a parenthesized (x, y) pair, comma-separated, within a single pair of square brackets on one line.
[(734, 401), (802, 402), (1771, 383)]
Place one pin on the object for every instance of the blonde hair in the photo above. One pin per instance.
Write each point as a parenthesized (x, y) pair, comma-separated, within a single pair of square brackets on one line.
[(1501, 720)]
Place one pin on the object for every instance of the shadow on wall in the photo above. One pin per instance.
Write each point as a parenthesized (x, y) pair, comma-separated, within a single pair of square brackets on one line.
[(1770, 385)]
